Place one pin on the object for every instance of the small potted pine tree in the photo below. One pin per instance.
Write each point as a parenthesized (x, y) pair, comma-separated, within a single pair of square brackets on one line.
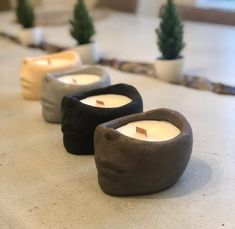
[(170, 42), (82, 30), (28, 35)]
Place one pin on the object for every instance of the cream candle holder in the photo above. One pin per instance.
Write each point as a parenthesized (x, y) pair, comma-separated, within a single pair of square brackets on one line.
[(129, 165), (54, 89), (34, 69)]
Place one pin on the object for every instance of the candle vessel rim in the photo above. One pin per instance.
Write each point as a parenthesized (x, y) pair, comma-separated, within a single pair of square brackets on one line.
[(147, 132), (77, 84), (93, 70), (70, 55), (75, 98), (103, 108), (112, 126)]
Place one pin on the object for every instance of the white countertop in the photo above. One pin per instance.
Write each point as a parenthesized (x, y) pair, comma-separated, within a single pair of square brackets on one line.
[(42, 186)]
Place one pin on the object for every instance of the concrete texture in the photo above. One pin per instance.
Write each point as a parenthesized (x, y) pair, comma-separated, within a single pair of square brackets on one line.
[(42, 186), (129, 167)]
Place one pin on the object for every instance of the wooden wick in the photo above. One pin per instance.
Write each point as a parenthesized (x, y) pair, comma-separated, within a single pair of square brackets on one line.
[(142, 131), (99, 102), (49, 61), (74, 80)]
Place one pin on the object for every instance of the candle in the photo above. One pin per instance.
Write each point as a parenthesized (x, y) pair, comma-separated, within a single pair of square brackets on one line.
[(81, 79), (106, 100), (150, 130), (133, 157), (33, 71), (83, 112), (56, 85), (59, 62)]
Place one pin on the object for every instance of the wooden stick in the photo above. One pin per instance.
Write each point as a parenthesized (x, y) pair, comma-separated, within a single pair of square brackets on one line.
[(74, 80), (142, 131), (99, 102)]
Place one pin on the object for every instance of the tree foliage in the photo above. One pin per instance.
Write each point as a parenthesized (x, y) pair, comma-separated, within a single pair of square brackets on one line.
[(170, 33), (25, 13), (82, 27)]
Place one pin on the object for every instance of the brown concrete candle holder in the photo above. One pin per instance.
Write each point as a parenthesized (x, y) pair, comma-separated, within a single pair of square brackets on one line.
[(34, 69), (79, 120), (54, 90), (127, 166)]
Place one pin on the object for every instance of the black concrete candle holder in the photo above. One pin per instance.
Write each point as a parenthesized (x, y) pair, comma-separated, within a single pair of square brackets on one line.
[(79, 120), (127, 166), (54, 90)]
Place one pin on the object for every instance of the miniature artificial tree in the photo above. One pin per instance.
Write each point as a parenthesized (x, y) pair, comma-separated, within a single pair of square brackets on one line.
[(28, 35), (82, 30), (25, 14), (170, 42), (82, 24), (171, 31)]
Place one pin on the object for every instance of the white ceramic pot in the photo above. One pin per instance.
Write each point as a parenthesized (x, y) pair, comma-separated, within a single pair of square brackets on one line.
[(89, 53), (170, 71), (31, 36)]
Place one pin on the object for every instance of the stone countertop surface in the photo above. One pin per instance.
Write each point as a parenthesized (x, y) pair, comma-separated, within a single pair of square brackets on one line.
[(209, 50), (42, 186)]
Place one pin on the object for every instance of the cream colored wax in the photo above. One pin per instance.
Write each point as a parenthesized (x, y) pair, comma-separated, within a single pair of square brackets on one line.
[(156, 130), (55, 62), (108, 100), (81, 79)]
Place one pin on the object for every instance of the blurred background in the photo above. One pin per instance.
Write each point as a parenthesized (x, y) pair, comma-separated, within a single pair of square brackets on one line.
[(214, 11)]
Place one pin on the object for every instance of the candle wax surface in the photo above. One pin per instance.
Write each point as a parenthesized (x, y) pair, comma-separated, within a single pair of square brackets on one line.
[(53, 62), (81, 79), (156, 130), (109, 100)]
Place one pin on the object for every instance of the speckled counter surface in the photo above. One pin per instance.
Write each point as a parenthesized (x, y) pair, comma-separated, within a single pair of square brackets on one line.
[(42, 186)]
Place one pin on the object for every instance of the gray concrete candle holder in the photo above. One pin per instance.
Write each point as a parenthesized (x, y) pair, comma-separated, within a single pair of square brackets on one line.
[(54, 90), (127, 166)]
